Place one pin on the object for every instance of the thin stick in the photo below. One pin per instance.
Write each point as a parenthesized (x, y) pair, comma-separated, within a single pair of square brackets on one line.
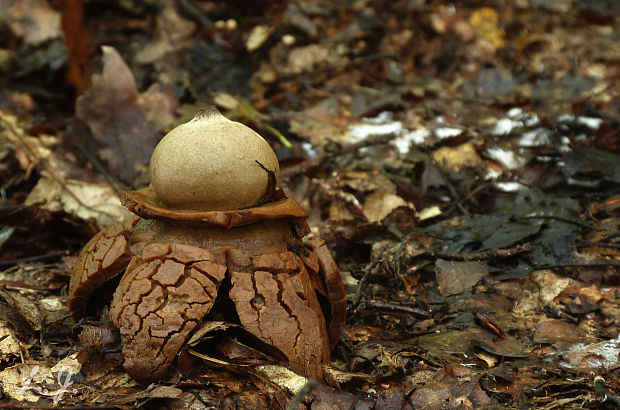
[(310, 164)]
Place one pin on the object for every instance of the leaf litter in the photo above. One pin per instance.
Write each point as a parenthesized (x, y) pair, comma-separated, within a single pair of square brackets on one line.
[(462, 165)]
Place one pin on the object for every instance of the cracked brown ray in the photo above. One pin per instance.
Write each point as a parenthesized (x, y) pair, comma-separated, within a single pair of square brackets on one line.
[(159, 302), (277, 303), (168, 287), (104, 257), (333, 285)]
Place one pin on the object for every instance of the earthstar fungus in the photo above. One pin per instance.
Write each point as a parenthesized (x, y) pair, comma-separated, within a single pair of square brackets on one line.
[(212, 221)]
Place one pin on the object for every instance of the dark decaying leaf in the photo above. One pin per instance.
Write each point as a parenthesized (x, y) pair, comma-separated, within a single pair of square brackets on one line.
[(455, 277), (506, 350), (117, 128), (18, 313), (450, 395), (549, 222), (590, 166), (234, 344)]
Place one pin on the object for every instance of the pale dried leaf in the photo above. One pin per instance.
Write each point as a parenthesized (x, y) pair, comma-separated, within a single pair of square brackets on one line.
[(165, 392), (97, 202), (325, 121), (53, 308), (69, 365), (9, 343), (455, 158), (586, 356), (225, 100), (489, 359), (307, 58), (379, 205), (29, 150), (257, 37), (345, 377), (24, 307), (283, 377), (429, 213), (159, 104), (543, 288), (14, 380), (172, 29), (35, 21), (338, 211)]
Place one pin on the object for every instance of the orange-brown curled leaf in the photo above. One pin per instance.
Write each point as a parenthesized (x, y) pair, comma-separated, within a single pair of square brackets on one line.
[(146, 204)]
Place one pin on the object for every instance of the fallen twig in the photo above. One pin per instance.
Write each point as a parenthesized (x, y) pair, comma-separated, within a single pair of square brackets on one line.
[(46, 256), (397, 308), (599, 244), (488, 254), (311, 164)]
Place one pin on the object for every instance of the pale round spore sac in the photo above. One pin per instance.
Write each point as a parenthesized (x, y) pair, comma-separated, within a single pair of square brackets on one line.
[(212, 163)]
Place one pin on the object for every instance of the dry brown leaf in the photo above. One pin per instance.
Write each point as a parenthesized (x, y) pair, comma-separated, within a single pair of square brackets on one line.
[(551, 331), (485, 22), (307, 58), (455, 277), (35, 21), (325, 121), (53, 308), (159, 104), (21, 311), (544, 286), (455, 158), (29, 150), (465, 395), (172, 30)]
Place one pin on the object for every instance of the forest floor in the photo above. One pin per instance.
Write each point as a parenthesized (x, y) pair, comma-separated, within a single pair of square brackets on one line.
[(462, 162)]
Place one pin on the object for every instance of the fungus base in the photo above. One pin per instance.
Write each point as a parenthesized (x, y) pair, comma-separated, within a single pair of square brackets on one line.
[(173, 278)]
